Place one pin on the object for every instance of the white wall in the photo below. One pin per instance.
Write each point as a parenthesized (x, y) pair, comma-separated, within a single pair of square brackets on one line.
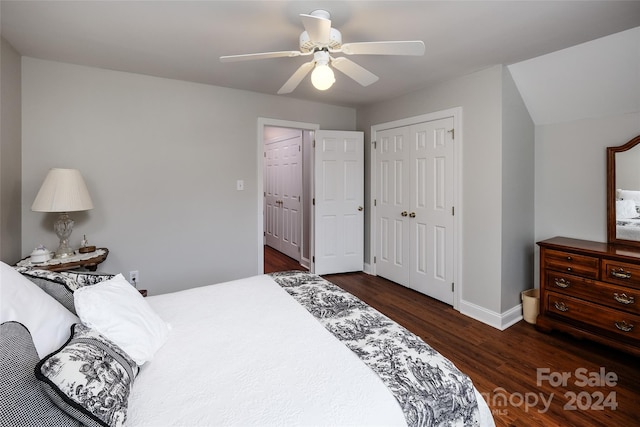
[(571, 175), (518, 194), (479, 95), (10, 164), (161, 158)]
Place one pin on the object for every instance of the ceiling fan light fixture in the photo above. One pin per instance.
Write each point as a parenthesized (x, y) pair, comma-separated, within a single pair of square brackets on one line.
[(320, 39), (322, 77)]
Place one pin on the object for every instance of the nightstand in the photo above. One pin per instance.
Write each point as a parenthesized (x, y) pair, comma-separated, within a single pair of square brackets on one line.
[(87, 261)]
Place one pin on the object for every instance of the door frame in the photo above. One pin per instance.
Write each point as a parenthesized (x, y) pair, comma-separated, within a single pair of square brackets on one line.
[(262, 123), (456, 113)]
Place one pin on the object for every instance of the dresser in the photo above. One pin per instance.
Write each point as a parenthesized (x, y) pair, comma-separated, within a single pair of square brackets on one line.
[(591, 290)]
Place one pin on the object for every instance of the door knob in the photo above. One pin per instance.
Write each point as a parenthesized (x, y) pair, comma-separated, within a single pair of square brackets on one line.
[(404, 213), (412, 215), (360, 208)]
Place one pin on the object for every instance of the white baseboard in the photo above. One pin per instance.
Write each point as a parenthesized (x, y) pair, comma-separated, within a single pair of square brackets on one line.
[(367, 268), (499, 321)]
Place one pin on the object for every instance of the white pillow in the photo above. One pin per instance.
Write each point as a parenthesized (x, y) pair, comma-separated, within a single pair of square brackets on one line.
[(626, 209), (23, 301), (118, 311)]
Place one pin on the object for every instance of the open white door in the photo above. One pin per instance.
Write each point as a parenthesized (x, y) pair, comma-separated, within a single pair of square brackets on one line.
[(339, 202)]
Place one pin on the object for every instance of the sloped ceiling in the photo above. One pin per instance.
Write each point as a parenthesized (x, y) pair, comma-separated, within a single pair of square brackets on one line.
[(599, 78), (184, 39)]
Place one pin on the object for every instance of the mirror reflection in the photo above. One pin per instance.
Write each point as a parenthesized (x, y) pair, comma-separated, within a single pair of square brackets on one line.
[(627, 196)]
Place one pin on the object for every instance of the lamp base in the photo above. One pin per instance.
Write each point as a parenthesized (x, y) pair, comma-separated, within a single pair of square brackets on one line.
[(64, 252), (63, 227)]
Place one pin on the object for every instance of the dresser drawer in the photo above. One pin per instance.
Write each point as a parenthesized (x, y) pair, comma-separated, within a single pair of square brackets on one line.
[(627, 299), (613, 322), (621, 273), (581, 265)]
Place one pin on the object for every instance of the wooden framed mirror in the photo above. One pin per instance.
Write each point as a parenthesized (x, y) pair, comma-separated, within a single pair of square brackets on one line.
[(623, 193)]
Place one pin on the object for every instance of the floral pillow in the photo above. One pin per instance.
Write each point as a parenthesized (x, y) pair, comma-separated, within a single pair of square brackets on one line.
[(90, 378)]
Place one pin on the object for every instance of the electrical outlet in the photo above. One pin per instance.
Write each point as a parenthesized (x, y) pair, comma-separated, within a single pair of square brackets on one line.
[(134, 278)]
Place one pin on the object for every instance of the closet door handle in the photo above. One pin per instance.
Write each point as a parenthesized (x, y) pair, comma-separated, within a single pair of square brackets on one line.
[(360, 208), (404, 213), (412, 215)]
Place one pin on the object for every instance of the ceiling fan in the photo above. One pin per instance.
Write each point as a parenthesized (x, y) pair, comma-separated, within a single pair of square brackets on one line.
[(321, 40)]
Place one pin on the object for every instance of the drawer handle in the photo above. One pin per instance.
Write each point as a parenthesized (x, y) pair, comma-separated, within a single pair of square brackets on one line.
[(569, 269), (623, 298), (620, 274), (559, 305), (569, 258), (624, 326), (562, 283)]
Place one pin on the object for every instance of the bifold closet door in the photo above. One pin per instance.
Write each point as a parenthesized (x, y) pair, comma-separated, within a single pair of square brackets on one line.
[(414, 207)]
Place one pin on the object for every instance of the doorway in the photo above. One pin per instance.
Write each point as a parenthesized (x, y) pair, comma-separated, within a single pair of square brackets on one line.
[(333, 204), (287, 191), (272, 130)]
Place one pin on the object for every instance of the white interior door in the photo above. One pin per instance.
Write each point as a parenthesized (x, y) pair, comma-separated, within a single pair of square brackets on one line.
[(392, 204), (291, 175), (282, 195), (431, 201), (414, 201), (339, 202), (272, 192)]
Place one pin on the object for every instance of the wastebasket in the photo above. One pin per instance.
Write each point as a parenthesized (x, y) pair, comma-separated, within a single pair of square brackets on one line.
[(530, 305)]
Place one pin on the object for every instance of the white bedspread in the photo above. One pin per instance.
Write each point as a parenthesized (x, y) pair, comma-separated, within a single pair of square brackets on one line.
[(244, 374), (223, 365)]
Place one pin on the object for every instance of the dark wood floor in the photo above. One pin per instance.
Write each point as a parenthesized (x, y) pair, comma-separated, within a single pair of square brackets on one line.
[(504, 364)]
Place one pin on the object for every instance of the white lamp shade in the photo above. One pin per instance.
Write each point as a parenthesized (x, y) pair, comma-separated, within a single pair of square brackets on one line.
[(63, 190)]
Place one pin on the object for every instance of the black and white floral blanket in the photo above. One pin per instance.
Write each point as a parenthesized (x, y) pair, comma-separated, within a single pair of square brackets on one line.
[(428, 387)]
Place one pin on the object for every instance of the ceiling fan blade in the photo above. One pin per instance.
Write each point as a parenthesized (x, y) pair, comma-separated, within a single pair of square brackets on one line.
[(296, 78), (415, 48), (318, 28), (355, 71), (265, 55)]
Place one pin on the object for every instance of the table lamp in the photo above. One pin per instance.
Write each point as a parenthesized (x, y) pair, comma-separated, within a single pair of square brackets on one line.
[(63, 191)]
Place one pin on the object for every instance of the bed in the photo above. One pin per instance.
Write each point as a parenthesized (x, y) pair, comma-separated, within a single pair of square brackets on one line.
[(283, 349)]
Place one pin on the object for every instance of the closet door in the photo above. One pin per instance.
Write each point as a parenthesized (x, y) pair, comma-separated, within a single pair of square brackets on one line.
[(431, 229), (392, 204), (414, 201)]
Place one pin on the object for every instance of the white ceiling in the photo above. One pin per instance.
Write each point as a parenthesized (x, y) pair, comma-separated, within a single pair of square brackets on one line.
[(184, 39)]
